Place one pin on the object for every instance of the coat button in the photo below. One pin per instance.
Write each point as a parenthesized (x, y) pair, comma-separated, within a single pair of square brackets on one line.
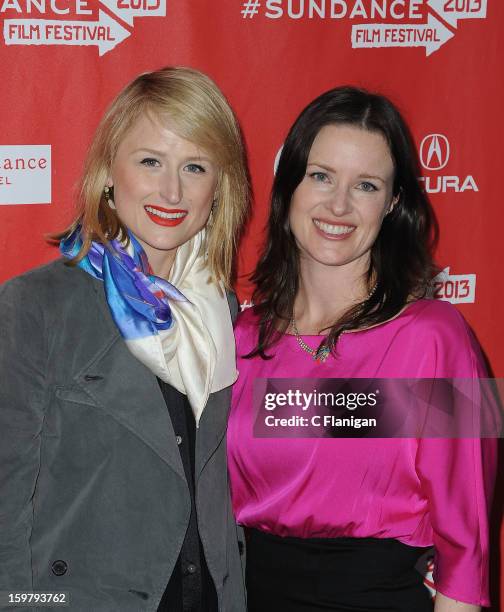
[(59, 568), (179, 440), (191, 568)]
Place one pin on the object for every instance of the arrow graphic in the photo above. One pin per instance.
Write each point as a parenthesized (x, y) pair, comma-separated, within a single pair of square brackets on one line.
[(431, 35), (124, 10), (477, 10), (105, 33), (462, 287)]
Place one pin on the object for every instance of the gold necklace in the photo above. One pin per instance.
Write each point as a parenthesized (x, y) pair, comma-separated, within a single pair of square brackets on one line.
[(320, 354)]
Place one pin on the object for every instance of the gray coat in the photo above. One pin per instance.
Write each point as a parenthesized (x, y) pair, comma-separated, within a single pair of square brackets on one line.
[(93, 496)]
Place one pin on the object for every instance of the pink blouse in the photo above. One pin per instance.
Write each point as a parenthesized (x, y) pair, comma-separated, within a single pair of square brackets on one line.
[(422, 492)]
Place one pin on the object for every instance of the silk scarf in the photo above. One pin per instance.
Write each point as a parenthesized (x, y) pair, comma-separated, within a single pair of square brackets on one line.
[(180, 329)]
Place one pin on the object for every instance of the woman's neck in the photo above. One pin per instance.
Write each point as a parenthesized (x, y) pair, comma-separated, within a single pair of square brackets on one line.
[(160, 262), (326, 292)]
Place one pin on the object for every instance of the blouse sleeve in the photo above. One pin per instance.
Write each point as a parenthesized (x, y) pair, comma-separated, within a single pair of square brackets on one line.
[(457, 475)]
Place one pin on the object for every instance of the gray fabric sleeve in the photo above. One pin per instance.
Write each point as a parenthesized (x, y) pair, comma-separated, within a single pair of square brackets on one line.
[(233, 305), (22, 357)]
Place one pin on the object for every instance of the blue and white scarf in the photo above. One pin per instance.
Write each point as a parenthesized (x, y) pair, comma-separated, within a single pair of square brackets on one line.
[(180, 329)]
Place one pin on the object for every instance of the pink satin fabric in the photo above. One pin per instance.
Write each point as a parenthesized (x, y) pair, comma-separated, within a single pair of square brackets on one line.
[(421, 492)]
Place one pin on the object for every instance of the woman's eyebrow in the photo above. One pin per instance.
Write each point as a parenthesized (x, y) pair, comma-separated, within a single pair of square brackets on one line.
[(324, 166), (331, 169), (151, 151), (372, 176), (158, 153)]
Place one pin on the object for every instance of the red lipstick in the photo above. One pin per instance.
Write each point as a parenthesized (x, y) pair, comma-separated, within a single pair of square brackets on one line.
[(166, 221)]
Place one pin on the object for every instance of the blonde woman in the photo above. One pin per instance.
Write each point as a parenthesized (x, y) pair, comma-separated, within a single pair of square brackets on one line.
[(119, 359)]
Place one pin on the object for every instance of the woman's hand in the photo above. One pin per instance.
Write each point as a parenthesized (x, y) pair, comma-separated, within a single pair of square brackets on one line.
[(446, 604)]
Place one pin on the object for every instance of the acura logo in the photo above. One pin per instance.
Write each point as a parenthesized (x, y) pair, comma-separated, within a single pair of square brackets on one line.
[(434, 152)]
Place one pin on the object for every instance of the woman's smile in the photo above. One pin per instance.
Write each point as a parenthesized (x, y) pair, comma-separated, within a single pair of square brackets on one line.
[(165, 216), (334, 231)]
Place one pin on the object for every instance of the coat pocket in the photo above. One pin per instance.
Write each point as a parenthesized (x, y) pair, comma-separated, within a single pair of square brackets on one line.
[(76, 395)]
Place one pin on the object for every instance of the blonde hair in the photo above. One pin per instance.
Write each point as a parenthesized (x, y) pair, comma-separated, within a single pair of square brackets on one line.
[(198, 112)]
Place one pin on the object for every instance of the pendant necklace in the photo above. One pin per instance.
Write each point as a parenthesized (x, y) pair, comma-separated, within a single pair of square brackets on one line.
[(320, 354)]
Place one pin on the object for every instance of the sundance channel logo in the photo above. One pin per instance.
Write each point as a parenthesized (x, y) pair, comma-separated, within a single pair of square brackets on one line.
[(379, 23), (25, 174), (70, 22), (434, 152)]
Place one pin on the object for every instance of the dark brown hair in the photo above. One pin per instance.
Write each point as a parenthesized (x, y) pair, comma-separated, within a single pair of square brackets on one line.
[(401, 258)]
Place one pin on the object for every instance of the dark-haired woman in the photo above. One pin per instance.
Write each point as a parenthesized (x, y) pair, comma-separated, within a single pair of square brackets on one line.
[(339, 524)]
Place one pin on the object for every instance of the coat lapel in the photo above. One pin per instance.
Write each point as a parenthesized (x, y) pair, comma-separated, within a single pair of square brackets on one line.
[(212, 427), (213, 423), (128, 391)]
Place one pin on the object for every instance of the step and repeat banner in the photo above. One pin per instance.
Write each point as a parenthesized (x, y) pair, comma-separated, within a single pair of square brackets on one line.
[(62, 62)]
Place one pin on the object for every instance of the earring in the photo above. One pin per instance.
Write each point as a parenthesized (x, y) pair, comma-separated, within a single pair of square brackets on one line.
[(398, 197), (108, 197), (394, 202)]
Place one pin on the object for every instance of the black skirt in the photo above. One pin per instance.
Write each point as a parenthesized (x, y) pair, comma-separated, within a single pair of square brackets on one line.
[(339, 574)]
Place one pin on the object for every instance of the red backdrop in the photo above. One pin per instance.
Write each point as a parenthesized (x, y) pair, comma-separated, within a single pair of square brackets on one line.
[(62, 61)]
